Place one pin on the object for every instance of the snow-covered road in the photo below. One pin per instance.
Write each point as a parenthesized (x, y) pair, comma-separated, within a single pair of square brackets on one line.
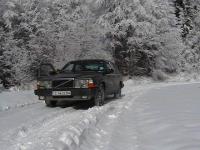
[(163, 118), (149, 117)]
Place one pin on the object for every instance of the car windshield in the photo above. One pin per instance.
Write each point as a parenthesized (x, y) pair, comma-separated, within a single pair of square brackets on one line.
[(84, 66)]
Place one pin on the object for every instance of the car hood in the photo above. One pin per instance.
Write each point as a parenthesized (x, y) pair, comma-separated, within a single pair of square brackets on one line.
[(71, 75)]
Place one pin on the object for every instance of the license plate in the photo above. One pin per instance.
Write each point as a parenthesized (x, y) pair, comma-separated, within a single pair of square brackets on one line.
[(61, 93)]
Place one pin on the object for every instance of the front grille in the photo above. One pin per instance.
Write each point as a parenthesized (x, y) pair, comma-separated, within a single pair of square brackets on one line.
[(62, 96), (67, 83)]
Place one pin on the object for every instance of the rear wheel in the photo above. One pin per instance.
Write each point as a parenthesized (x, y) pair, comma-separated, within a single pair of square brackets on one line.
[(99, 99), (50, 103), (118, 93)]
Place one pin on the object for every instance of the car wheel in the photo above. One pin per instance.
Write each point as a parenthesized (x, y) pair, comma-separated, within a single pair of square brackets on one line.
[(50, 103), (100, 96), (118, 94)]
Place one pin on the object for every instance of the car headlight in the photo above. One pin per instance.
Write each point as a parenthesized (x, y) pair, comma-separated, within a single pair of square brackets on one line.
[(84, 83), (44, 84)]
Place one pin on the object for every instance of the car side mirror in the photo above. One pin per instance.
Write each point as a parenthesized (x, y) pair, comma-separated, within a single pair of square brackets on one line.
[(58, 70), (109, 71), (52, 73), (55, 72), (45, 70)]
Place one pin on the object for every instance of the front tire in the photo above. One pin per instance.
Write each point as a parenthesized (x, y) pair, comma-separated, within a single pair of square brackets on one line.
[(50, 103), (99, 99)]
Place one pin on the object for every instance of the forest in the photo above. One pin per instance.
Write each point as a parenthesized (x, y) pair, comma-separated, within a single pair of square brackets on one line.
[(153, 38)]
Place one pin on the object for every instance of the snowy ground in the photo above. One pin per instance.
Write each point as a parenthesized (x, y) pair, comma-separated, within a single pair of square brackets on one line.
[(15, 99), (149, 117)]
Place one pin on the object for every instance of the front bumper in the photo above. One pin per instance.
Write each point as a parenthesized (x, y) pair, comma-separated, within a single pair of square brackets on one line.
[(76, 94)]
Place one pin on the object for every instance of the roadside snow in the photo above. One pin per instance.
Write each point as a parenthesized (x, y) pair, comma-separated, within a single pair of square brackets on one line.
[(168, 118), (15, 99), (184, 77), (149, 117), (164, 118)]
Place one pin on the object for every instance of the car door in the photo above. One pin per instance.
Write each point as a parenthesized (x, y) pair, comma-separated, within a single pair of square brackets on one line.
[(45, 70), (110, 79), (116, 77)]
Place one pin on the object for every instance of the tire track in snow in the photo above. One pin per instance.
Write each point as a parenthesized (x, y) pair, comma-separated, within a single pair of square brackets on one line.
[(102, 134), (19, 123)]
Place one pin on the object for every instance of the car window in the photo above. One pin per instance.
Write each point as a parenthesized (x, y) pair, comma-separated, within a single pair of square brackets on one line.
[(68, 68), (115, 68), (89, 67), (109, 66), (84, 66)]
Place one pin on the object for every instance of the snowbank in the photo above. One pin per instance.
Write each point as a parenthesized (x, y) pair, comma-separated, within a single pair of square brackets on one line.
[(74, 135), (15, 99), (185, 77)]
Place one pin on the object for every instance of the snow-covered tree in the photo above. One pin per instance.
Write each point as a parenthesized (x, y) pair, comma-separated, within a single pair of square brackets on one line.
[(144, 35), (49, 31), (188, 12), (140, 35)]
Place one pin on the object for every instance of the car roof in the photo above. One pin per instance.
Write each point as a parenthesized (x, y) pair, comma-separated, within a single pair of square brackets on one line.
[(89, 60)]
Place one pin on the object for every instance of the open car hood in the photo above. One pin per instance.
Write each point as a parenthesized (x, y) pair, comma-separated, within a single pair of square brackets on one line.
[(70, 75)]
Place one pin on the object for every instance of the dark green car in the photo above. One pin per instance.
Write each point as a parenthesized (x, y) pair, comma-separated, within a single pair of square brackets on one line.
[(82, 80)]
